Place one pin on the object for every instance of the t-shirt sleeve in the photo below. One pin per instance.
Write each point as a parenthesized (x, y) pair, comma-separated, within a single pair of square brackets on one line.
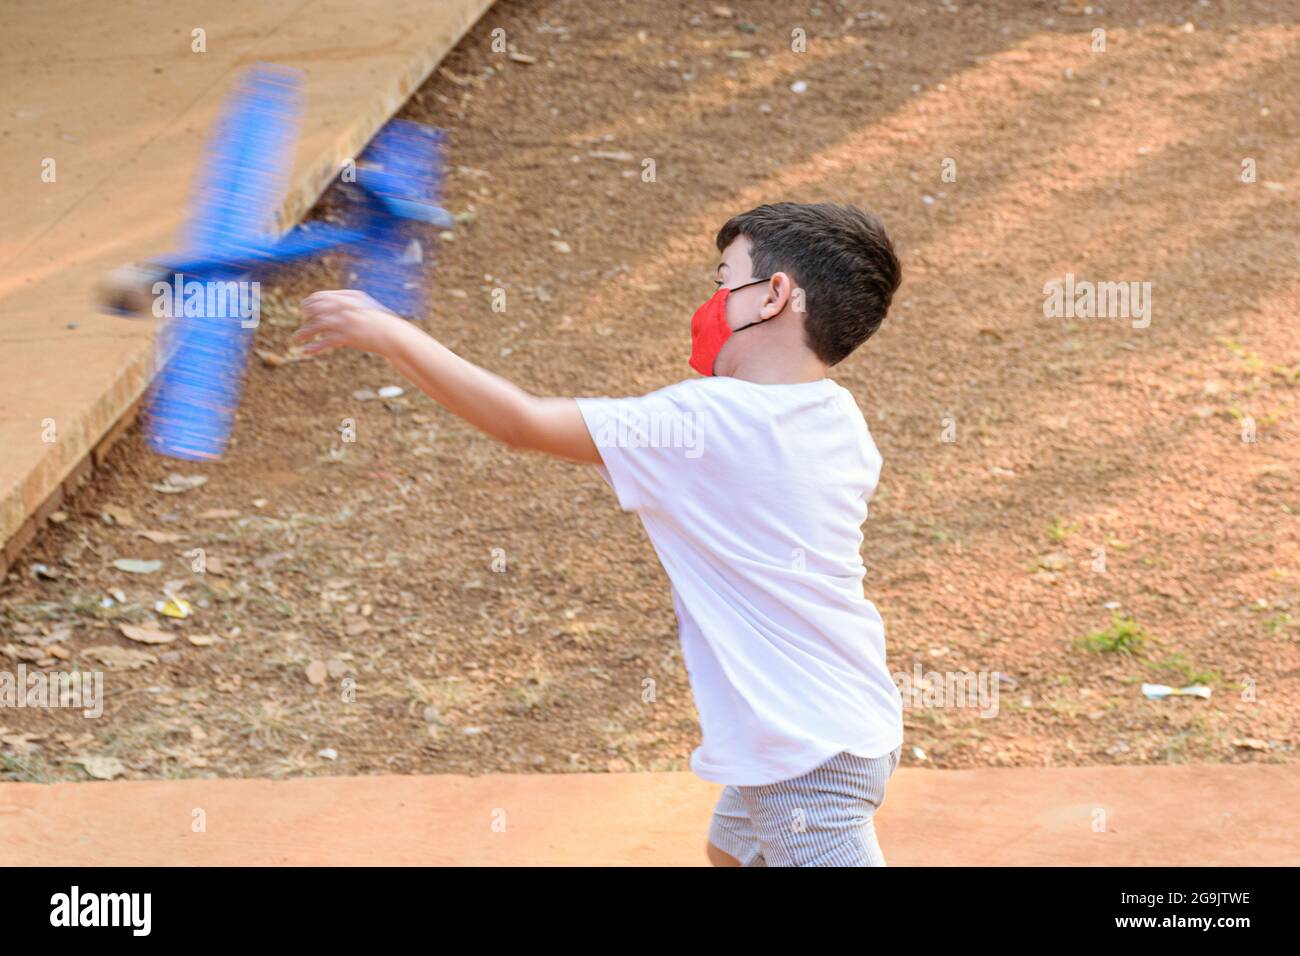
[(647, 443)]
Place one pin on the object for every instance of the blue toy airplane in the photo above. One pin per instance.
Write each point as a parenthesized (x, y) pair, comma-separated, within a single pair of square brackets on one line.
[(229, 241)]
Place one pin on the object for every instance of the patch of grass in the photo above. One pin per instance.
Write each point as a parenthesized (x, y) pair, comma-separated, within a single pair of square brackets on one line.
[(1124, 636), (1060, 529), (1240, 415), (31, 768), (1250, 359), (269, 724), (1278, 622), (1189, 672)]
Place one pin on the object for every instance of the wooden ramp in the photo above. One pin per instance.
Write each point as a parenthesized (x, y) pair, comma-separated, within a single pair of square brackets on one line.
[(1101, 816), (115, 96)]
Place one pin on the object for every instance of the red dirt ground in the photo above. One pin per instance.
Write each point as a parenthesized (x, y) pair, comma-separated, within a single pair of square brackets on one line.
[(497, 612)]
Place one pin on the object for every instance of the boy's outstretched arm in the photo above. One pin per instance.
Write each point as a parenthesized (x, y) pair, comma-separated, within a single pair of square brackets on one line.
[(348, 319)]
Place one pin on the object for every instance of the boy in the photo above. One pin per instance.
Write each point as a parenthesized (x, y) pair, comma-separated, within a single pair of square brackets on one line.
[(752, 484)]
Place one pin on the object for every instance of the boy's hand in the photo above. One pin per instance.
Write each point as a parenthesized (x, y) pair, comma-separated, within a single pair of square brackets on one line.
[(346, 319)]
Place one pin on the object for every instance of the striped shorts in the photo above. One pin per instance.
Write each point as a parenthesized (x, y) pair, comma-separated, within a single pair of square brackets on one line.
[(822, 818)]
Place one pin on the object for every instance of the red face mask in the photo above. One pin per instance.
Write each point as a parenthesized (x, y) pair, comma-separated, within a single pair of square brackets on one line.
[(710, 331)]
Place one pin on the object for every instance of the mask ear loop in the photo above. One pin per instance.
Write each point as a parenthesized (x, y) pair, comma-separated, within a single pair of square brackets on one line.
[(746, 285)]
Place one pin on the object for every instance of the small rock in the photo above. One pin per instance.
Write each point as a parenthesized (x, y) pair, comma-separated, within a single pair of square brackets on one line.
[(175, 484), (1056, 561), (137, 566), (101, 768)]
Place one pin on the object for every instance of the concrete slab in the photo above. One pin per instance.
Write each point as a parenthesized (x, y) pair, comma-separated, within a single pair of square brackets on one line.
[(1173, 816), (117, 98)]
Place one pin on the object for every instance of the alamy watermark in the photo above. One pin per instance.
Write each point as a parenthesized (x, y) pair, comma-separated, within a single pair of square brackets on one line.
[(82, 690), (212, 299), (977, 690), (632, 429), (1072, 298)]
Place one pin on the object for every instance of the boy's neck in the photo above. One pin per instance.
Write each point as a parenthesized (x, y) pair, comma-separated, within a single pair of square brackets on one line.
[(776, 353), (794, 370), (776, 363)]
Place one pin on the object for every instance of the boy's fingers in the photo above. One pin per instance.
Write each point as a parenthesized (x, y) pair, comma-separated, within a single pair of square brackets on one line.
[(310, 330), (323, 313), (331, 306), (326, 295), (322, 344), (321, 300)]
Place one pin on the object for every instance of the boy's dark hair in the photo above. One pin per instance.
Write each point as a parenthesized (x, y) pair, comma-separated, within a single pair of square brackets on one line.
[(839, 255)]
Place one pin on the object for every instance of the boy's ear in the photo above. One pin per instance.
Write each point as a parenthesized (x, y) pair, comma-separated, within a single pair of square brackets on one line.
[(781, 292)]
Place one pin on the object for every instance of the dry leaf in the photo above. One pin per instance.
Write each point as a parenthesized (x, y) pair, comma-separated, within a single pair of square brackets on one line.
[(160, 537), (119, 658), (316, 673), (146, 635), (22, 742), (119, 516)]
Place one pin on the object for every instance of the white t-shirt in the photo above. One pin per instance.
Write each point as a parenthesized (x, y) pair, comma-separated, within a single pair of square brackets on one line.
[(754, 498)]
